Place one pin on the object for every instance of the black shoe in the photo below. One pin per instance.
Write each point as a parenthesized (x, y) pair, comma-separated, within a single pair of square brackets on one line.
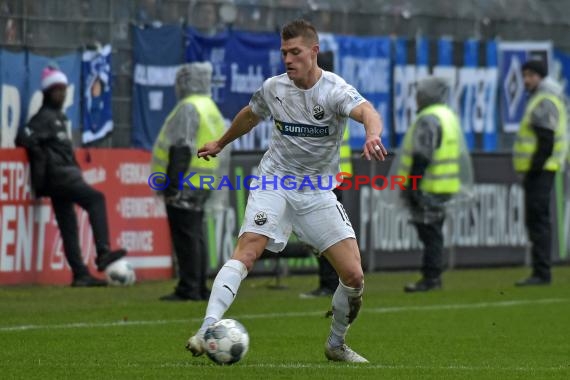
[(423, 285), (533, 281), (87, 281), (319, 292), (180, 298), (105, 259)]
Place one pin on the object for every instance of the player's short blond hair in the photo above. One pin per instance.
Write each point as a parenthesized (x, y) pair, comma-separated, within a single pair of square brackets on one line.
[(300, 28)]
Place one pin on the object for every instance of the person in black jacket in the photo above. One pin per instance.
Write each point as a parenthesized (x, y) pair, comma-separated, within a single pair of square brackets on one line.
[(56, 174)]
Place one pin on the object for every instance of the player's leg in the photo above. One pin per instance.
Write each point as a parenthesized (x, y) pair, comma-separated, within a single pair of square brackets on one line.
[(265, 225), (226, 284), (326, 226), (249, 248), (344, 256)]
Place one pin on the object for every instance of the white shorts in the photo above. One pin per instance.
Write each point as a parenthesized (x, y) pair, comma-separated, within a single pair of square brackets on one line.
[(316, 217)]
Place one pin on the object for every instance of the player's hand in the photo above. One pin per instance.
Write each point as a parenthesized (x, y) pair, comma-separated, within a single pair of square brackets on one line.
[(373, 147), (211, 149)]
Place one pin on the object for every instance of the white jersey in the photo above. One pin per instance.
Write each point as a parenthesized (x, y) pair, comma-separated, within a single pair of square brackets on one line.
[(309, 125)]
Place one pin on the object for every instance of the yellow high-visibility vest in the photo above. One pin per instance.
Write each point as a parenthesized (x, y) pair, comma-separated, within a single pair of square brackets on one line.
[(442, 174), (526, 142), (346, 153), (211, 127)]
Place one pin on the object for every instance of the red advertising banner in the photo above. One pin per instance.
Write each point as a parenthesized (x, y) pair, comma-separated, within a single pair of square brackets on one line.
[(31, 251)]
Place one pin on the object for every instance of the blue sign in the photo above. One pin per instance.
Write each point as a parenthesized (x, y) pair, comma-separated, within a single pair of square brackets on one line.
[(513, 97)]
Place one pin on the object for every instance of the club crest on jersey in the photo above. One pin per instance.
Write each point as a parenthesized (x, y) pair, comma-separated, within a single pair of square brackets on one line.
[(318, 112), (260, 218), (301, 130)]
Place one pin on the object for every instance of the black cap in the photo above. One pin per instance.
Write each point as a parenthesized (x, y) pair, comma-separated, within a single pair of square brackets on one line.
[(536, 66)]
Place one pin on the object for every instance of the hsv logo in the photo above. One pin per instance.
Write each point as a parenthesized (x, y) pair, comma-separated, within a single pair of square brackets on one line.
[(318, 112)]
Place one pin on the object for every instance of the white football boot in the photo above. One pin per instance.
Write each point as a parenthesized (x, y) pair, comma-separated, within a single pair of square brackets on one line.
[(196, 344), (343, 353)]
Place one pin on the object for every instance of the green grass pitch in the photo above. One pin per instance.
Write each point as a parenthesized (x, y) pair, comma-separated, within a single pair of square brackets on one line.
[(479, 327)]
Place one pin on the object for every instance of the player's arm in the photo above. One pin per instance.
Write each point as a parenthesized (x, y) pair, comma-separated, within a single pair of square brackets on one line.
[(244, 122), (366, 114)]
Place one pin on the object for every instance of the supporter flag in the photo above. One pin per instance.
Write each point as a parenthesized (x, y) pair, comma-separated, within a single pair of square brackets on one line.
[(158, 54), (97, 92)]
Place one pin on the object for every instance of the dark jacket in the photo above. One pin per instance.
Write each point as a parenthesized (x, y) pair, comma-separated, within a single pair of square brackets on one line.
[(50, 152)]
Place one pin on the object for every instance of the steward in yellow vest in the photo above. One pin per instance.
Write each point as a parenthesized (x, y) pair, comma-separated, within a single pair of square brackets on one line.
[(194, 121), (539, 152), (432, 148)]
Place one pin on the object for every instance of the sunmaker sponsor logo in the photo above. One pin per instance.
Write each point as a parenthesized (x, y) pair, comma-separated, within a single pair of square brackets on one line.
[(301, 130)]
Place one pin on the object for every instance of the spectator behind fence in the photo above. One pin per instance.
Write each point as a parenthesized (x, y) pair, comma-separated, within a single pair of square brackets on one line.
[(56, 174), (194, 121), (538, 153)]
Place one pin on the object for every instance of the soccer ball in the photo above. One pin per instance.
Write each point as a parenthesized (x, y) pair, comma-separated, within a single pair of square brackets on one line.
[(120, 273), (227, 341)]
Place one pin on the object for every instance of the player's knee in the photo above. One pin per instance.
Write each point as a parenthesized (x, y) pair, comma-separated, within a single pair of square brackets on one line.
[(247, 257), (250, 246), (353, 278)]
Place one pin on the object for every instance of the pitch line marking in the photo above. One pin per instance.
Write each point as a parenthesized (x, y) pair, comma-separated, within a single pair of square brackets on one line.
[(378, 310), (370, 366)]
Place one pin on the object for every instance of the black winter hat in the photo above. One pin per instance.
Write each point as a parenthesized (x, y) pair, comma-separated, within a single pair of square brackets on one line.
[(536, 66)]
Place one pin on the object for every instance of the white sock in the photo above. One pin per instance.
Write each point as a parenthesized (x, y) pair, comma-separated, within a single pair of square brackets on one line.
[(345, 305), (224, 290)]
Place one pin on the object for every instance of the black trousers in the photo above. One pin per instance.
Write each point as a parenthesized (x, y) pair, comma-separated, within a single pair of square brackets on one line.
[(92, 201), (537, 190), (431, 235), (186, 229), (328, 278)]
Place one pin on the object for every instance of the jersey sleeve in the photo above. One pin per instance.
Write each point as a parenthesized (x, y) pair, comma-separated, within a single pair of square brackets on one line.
[(345, 98), (258, 101)]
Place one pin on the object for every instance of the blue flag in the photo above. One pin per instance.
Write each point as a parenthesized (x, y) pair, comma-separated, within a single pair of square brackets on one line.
[(96, 106), (158, 54)]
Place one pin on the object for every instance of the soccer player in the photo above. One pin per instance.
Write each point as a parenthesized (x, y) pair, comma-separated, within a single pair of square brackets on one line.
[(310, 108)]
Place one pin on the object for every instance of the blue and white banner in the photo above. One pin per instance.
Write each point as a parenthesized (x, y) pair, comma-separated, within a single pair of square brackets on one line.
[(21, 95), (407, 71), (513, 97), (562, 71), (473, 92), (97, 92), (473, 83), (365, 63), (13, 95), (241, 62), (158, 54)]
